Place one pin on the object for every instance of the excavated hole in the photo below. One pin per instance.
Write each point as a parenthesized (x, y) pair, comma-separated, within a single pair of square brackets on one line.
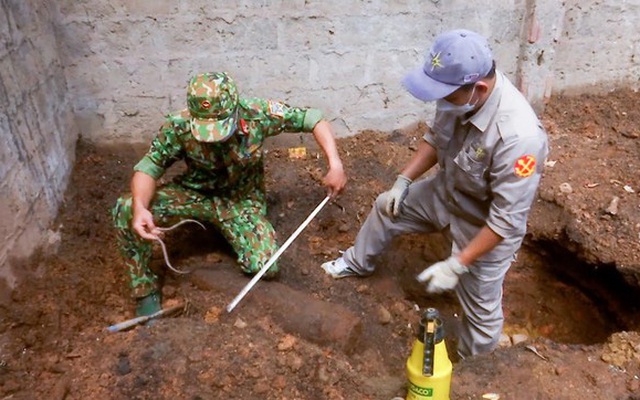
[(610, 296), (548, 292)]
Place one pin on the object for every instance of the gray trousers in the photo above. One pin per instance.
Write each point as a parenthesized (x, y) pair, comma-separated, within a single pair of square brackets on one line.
[(479, 291)]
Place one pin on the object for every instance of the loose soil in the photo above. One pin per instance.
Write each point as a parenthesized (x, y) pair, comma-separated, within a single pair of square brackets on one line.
[(571, 298)]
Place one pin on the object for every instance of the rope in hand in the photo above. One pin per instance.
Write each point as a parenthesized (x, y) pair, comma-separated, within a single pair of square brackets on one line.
[(164, 248)]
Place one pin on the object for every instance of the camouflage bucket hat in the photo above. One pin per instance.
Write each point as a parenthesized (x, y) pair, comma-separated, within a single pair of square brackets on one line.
[(212, 99)]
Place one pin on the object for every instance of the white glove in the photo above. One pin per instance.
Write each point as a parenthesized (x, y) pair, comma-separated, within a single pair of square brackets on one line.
[(396, 195), (443, 275)]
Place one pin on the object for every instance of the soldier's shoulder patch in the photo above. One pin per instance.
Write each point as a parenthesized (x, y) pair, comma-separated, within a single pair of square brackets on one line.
[(276, 108), (525, 166)]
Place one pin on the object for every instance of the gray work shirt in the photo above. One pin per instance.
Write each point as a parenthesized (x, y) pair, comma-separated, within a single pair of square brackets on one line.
[(490, 167)]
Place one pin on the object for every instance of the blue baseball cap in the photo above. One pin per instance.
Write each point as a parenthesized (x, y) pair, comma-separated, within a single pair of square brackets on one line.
[(457, 58)]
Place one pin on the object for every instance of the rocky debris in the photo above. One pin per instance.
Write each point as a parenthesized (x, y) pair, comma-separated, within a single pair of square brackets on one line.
[(622, 348), (612, 208)]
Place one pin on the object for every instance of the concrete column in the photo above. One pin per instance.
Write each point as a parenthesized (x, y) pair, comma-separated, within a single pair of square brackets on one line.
[(540, 33), (37, 132)]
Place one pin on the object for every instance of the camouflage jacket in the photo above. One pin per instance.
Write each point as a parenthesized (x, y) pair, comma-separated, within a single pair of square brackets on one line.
[(224, 167)]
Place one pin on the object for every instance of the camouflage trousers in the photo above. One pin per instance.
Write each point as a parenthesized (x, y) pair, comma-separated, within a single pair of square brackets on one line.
[(242, 222)]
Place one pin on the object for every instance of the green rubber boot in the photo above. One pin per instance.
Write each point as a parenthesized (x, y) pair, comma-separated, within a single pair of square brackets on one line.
[(149, 304)]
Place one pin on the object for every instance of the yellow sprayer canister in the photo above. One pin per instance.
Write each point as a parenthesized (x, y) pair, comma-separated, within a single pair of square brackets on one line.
[(429, 367)]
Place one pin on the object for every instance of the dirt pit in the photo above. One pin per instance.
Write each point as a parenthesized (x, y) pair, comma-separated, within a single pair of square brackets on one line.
[(570, 300)]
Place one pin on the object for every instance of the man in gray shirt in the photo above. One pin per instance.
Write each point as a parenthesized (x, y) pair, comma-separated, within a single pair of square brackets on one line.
[(490, 148)]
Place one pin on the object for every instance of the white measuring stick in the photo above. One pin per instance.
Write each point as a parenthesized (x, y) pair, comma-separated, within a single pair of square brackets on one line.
[(274, 257)]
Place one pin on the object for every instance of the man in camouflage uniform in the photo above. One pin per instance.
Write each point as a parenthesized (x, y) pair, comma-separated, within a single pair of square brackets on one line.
[(220, 137)]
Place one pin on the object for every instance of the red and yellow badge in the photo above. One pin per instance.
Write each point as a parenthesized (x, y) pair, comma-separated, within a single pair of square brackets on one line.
[(525, 166)]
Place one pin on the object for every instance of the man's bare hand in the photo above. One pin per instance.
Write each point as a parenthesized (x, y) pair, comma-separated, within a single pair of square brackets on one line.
[(143, 224), (335, 181)]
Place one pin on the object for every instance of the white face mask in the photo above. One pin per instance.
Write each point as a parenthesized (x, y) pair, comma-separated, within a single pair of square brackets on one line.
[(445, 106)]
